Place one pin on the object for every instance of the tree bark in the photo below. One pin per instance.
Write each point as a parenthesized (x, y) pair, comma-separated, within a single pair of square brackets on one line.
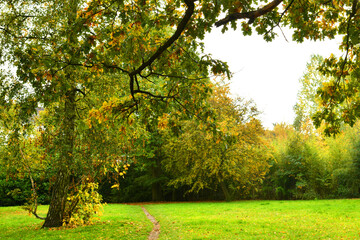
[(55, 216), (225, 190), (252, 15), (156, 192), (156, 189)]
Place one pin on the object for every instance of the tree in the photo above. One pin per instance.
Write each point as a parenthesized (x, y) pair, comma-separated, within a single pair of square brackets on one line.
[(337, 156), (57, 49), (340, 101), (155, 118), (307, 99), (229, 153), (67, 53)]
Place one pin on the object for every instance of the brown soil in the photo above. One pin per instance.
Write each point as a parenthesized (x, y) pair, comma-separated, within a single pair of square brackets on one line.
[(154, 234)]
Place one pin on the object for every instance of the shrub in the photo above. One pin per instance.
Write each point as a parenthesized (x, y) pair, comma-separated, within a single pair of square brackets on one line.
[(83, 205)]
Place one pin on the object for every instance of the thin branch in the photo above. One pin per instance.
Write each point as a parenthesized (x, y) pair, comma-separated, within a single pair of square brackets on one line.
[(181, 27), (127, 106), (282, 32), (352, 14), (147, 77), (187, 110), (115, 67), (35, 196), (77, 111), (180, 77), (32, 188), (281, 16), (252, 15), (6, 30), (60, 69), (137, 83), (132, 87), (153, 95), (187, 53), (21, 37), (78, 90)]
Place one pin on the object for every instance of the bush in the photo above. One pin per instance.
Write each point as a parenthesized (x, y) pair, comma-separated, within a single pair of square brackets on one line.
[(83, 205), (298, 171), (14, 192)]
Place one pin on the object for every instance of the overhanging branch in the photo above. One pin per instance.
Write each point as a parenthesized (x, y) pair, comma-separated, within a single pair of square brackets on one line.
[(351, 16), (181, 27), (153, 95), (179, 30), (252, 15), (281, 16)]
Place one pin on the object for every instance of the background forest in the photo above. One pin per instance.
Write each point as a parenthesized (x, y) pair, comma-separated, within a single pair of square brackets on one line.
[(177, 157)]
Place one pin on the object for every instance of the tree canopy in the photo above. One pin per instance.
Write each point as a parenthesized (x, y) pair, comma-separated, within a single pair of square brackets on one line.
[(233, 155)]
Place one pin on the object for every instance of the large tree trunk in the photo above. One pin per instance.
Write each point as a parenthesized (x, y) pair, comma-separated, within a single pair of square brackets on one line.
[(225, 190), (60, 188), (222, 183), (55, 216), (157, 195), (156, 190)]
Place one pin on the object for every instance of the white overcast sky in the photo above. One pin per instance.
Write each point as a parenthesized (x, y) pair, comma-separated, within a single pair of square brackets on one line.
[(268, 73)]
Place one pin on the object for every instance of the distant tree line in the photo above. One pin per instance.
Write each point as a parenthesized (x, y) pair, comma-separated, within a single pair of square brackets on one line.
[(227, 157), (299, 167)]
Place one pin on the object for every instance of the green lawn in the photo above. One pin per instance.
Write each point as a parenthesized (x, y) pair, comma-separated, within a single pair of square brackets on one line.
[(323, 219), (118, 222)]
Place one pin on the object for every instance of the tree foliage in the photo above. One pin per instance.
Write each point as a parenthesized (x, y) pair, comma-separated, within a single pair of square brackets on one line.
[(308, 100), (298, 170), (231, 157), (89, 64)]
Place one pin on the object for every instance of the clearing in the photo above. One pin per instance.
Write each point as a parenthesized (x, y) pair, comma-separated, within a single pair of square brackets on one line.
[(319, 219)]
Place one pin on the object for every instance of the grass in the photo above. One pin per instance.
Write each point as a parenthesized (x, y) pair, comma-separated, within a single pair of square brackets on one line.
[(323, 219), (118, 222)]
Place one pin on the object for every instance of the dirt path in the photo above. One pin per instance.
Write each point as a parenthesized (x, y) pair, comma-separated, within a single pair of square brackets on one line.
[(154, 235)]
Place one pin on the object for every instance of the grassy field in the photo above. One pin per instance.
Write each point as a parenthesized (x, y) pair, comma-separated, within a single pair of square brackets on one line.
[(118, 222), (325, 219)]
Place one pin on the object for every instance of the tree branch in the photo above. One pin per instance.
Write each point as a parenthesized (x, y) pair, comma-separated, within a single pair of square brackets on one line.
[(181, 27), (252, 15), (153, 95), (187, 110), (278, 22), (33, 188), (115, 67), (21, 37), (180, 77), (352, 14), (78, 90)]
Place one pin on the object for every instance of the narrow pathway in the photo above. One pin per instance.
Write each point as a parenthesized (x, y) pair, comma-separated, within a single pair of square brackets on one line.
[(154, 235)]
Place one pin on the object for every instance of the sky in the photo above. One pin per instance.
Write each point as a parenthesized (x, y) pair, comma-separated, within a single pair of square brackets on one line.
[(268, 73)]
